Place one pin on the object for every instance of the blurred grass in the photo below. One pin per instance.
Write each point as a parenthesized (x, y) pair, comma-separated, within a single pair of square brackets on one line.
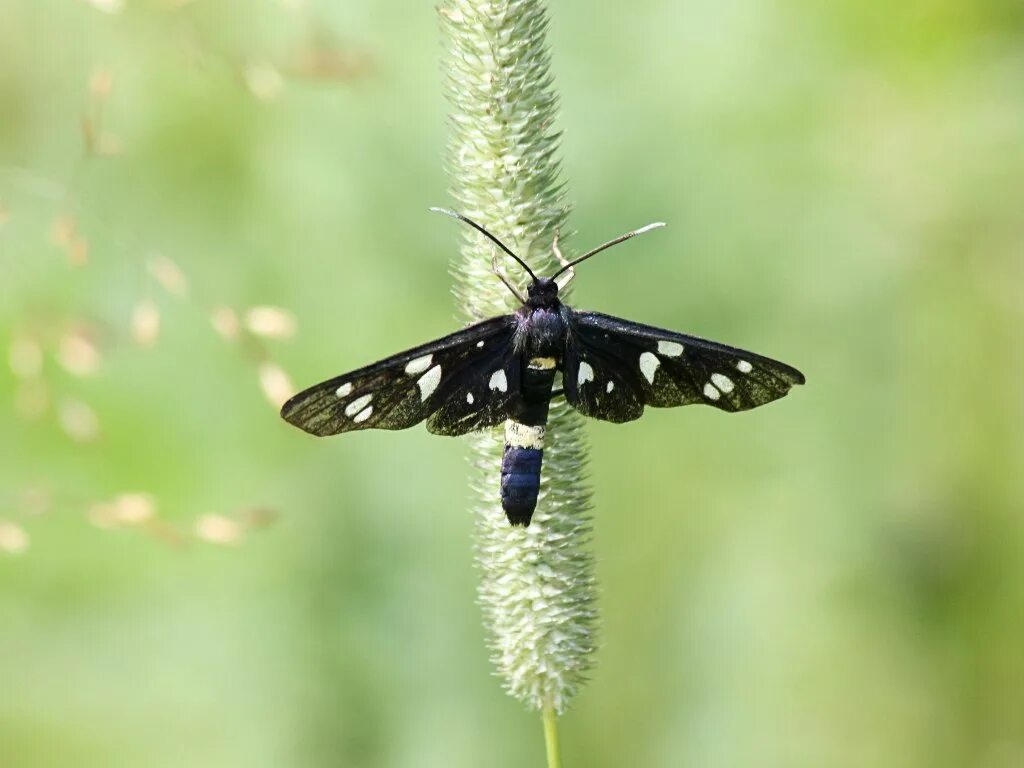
[(833, 580)]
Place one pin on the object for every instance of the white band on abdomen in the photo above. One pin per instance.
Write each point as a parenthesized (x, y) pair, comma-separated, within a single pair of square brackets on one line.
[(523, 436)]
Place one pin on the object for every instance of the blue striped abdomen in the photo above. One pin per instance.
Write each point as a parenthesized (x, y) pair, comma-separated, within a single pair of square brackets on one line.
[(520, 470)]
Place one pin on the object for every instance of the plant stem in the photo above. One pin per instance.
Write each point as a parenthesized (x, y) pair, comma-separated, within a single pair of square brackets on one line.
[(551, 737)]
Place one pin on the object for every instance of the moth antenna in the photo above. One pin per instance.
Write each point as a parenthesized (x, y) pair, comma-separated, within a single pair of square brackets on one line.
[(492, 238), (609, 244)]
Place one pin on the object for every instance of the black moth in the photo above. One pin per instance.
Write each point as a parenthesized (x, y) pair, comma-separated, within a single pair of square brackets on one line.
[(503, 370)]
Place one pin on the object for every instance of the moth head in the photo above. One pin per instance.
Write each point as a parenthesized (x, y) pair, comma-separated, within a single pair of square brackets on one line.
[(542, 292)]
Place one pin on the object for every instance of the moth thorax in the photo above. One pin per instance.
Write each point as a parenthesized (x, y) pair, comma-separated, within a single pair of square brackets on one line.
[(545, 332)]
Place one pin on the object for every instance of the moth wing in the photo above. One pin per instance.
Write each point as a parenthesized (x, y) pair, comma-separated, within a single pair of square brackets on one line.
[(479, 396), (403, 390), (616, 396), (615, 367)]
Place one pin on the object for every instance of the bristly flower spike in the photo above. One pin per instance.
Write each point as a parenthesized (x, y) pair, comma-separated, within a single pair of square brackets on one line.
[(537, 586)]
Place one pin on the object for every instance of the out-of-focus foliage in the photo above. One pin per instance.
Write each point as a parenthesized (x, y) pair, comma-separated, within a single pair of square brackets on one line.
[(203, 202)]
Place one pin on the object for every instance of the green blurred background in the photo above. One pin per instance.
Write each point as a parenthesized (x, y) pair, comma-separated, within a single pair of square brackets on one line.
[(834, 580)]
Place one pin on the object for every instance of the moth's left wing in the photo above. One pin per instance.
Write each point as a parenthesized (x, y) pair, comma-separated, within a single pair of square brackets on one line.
[(614, 367), (460, 382)]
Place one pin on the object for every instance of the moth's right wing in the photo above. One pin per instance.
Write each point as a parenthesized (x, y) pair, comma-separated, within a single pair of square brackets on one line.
[(615, 367), (460, 382)]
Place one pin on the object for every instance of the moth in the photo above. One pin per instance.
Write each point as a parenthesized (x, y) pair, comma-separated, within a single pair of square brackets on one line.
[(503, 370)]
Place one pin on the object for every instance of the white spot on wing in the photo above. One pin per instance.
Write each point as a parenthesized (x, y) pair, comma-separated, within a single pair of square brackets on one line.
[(363, 415), (648, 365), (479, 343), (344, 390), (358, 404), (498, 381), (428, 382), (469, 398), (723, 382), (744, 367), (419, 365), (585, 374), (610, 387), (670, 348), (710, 392)]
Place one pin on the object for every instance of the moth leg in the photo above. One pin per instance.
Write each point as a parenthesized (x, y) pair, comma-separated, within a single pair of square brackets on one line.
[(570, 272), (504, 279)]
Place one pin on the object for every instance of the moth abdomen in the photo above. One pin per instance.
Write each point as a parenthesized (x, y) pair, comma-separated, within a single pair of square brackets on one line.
[(520, 470)]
